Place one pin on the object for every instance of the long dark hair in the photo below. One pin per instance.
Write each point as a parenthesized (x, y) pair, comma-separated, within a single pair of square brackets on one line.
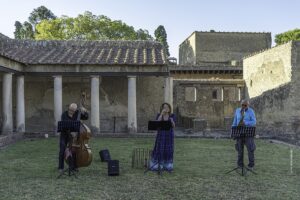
[(162, 107)]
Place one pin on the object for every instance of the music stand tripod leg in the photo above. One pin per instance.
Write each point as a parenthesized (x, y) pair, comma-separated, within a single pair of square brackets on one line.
[(242, 168), (151, 168), (157, 163), (69, 171), (232, 170)]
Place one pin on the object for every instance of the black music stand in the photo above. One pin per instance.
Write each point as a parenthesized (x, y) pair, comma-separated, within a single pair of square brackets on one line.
[(67, 127), (242, 132), (157, 126)]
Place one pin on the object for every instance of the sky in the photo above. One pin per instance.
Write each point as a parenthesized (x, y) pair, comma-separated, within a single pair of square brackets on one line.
[(180, 18)]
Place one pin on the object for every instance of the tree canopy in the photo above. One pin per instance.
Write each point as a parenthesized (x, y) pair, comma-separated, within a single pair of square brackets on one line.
[(161, 36), (39, 14), (27, 29), (42, 24), (287, 36), (88, 27)]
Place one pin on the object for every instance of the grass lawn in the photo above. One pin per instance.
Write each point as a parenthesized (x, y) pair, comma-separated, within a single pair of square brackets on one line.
[(28, 170)]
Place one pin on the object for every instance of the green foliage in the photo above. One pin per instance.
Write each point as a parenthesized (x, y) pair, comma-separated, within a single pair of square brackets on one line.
[(161, 36), (143, 34), (27, 29), (44, 25), (287, 36), (18, 30), (88, 27), (23, 31), (39, 14)]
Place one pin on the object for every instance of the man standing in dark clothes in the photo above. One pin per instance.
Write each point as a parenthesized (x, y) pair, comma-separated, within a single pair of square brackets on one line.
[(70, 115)]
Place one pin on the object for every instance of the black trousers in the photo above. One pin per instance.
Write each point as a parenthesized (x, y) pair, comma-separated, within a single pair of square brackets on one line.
[(249, 142), (63, 141)]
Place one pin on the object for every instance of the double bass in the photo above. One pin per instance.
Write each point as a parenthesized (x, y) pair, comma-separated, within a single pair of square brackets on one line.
[(83, 152), (79, 145)]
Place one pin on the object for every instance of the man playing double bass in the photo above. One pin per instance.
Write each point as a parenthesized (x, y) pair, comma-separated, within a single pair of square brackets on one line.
[(70, 115), (245, 116)]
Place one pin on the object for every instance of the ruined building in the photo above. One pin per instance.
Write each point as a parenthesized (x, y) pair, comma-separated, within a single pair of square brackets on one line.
[(208, 82), (123, 83)]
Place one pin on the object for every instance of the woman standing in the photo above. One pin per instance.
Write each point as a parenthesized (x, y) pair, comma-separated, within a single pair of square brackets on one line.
[(162, 154)]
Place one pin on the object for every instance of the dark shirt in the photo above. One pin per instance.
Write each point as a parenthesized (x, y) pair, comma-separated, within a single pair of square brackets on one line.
[(66, 117)]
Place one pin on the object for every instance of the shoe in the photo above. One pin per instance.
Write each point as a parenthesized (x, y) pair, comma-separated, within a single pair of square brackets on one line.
[(75, 170), (60, 171), (251, 168)]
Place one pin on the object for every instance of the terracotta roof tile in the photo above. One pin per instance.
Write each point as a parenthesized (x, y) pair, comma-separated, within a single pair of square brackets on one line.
[(83, 52)]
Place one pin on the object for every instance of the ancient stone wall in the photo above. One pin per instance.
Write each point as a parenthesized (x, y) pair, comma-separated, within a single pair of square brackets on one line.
[(197, 76), (214, 102), (221, 47), (274, 113), (226, 46), (277, 103), (187, 51), (268, 70)]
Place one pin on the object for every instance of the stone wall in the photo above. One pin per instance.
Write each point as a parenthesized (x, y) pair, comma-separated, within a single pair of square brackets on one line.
[(187, 51), (226, 46), (273, 111), (221, 47), (198, 76), (213, 108), (113, 101), (9, 139), (277, 104), (268, 70)]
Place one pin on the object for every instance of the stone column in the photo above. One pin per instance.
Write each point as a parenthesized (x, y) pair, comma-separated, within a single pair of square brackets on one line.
[(222, 94), (168, 90), (239, 98), (57, 99), (132, 119), (7, 116), (95, 111), (20, 105)]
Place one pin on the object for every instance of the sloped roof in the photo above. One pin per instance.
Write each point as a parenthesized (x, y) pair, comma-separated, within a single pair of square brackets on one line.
[(73, 52)]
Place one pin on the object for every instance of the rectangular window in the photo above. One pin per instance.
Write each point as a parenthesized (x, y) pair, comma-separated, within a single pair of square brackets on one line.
[(215, 94)]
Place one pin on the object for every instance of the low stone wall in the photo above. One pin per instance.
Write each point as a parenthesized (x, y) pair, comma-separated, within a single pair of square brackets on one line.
[(9, 139)]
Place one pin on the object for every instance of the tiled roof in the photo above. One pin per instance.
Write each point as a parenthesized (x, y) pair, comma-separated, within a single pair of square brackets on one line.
[(83, 52)]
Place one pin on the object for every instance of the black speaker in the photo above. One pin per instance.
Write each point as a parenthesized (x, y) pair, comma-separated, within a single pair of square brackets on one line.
[(104, 155), (113, 168)]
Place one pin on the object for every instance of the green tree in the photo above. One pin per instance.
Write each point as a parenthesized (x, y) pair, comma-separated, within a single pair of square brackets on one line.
[(28, 32), (39, 14), (161, 36), (143, 35), (23, 31), (18, 30), (27, 29), (287, 36), (88, 27)]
